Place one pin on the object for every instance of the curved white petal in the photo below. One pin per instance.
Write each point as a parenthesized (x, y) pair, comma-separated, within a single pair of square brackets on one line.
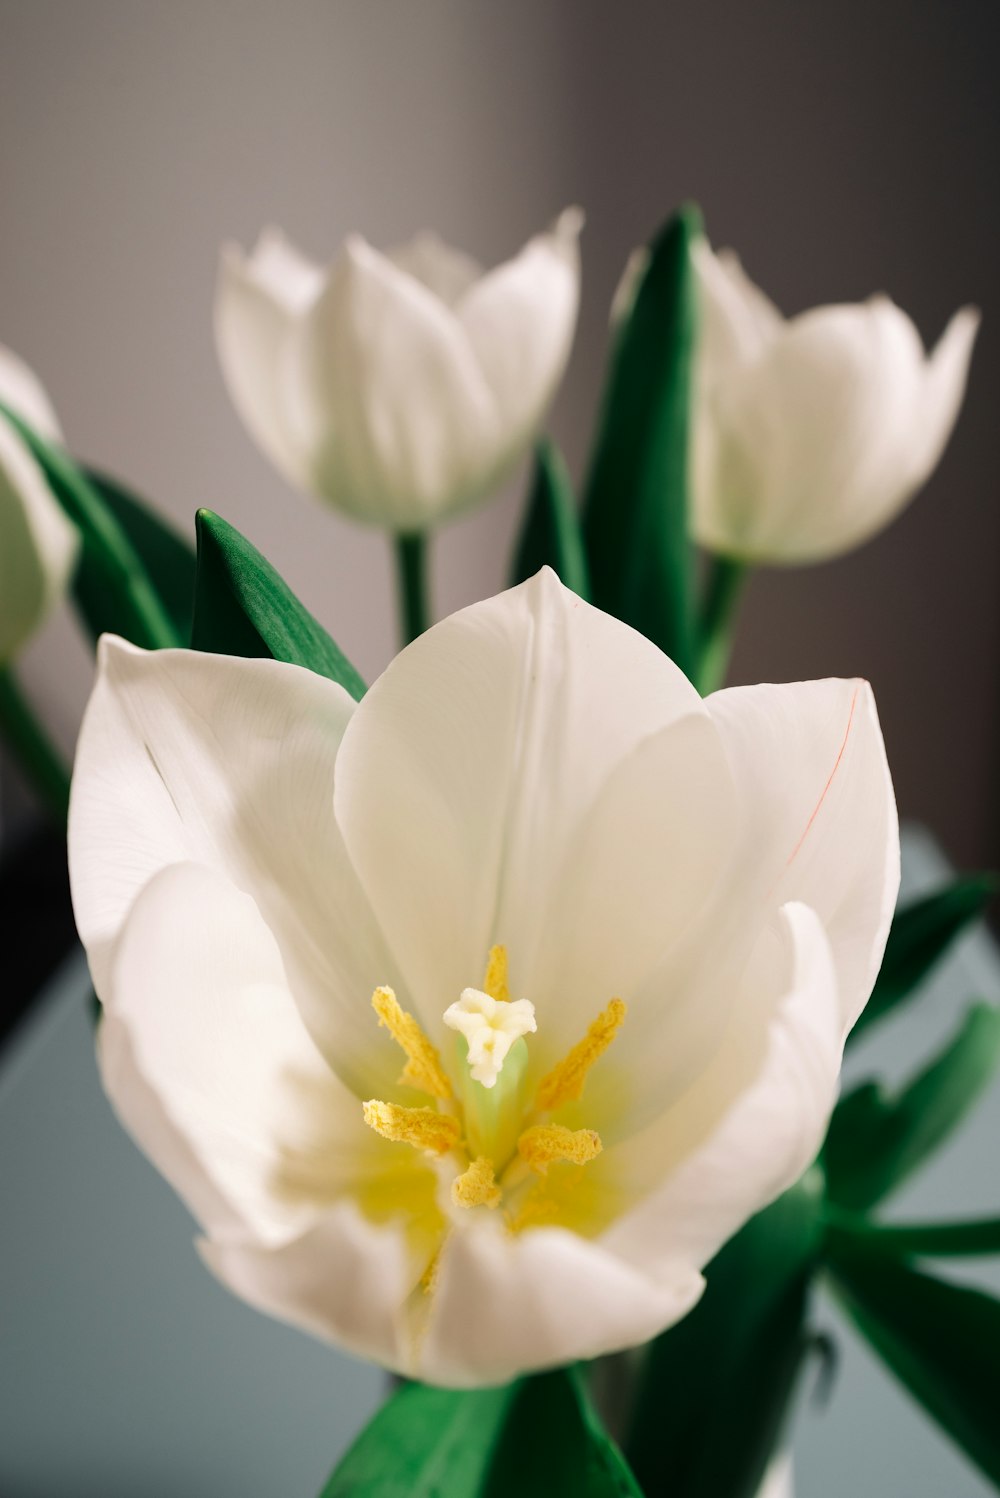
[(754, 1122), (38, 545), (820, 814), (810, 437), (23, 392), (520, 320), (395, 412), (209, 1065), (258, 300), (229, 763), (472, 763), (737, 322), (447, 272), (945, 375), (778, 1478), (504, 1304), (345, 1280)]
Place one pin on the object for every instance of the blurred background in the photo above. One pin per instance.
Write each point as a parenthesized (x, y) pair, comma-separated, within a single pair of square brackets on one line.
[(841, 150)]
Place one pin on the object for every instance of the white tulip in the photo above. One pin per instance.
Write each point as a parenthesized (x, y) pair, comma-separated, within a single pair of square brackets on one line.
[(38, 545), (399, 388), (812, 433), (687, 900)]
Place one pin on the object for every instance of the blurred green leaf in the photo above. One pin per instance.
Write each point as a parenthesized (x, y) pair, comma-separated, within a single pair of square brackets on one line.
[(920, 936), (112, 588), (551, 534), (243, 607), (877, 1138), (717, 1386), (927, 1240), (554, 1443), (167, 557), (536, 1438), (636, 502), (942, 1341)]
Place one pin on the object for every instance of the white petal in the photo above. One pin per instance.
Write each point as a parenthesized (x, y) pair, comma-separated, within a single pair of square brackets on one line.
[(23, 392), (635, 895), (520, 320), (345, 1280), (470, 765), (815, 446), (945, 374), (755, 1121), (230, 763), (394, 410), (447, 272), (38, 545), (505, 1304), (778, 1478), (737, 321), (820, 815), (258, 301), (210, 1067)]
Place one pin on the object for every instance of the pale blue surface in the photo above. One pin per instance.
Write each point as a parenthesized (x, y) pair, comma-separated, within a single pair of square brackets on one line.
[(127, 1372)]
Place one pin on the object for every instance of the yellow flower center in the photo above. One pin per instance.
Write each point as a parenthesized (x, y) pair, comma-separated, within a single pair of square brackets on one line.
[(497, 1137)]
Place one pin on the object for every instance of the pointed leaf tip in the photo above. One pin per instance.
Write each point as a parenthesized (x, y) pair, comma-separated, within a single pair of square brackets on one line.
[(244, 607)]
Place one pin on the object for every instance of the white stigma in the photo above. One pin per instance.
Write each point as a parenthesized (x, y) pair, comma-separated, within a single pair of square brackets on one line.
[(490, 1027)]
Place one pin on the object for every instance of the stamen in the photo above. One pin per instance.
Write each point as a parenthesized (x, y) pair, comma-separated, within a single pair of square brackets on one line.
[(424, 1128), (564, 1083), (423, 1067), (545, 1144), (495, 982), (477, 1186)]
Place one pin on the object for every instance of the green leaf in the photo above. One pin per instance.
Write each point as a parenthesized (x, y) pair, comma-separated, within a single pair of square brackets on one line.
[(112, 588), (537, 1438), (425, 1443), (717, 1386), (923, 1240), (167, 557), (920, 936), (877, 1139), (942, 1341), (243, 607), (636, 504), (551, 534), (553, 1443)]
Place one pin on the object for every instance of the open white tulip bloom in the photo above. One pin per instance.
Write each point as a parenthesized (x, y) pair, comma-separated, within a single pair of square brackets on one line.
[(531, 840), (399, 388), (812, 433), (38, 545)]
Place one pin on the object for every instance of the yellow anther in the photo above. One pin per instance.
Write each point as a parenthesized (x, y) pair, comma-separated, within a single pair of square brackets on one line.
[(545, 1144), (495, 982), (477, 1186), (424, 1128), (423, 1067), (564, 1083)]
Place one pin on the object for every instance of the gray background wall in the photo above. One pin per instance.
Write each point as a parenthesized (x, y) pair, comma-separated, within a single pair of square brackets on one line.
[(841, 149)]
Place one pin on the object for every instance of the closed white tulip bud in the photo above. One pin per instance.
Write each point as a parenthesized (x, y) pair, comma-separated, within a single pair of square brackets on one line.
[(398, 388), (812, 433), (472, 1018), (38, 545)]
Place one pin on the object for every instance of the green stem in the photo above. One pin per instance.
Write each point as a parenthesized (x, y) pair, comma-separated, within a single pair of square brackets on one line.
[(413, 591), (40, 760), (723, 592)]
